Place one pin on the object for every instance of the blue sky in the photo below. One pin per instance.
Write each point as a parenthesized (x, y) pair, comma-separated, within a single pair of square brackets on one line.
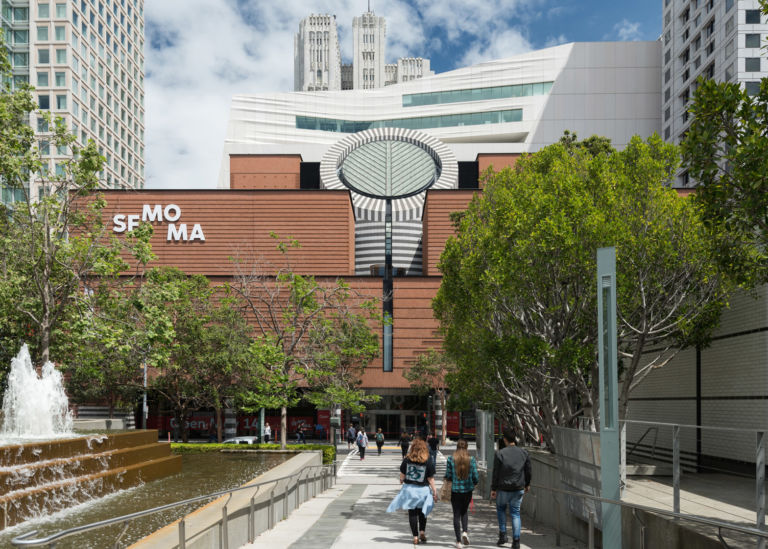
[(199, 53)]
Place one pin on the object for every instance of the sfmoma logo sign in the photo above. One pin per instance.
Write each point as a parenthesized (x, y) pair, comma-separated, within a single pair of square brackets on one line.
[(169, 214)]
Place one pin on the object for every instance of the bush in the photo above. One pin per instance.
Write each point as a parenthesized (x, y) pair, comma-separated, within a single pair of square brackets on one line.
[(329, 451)]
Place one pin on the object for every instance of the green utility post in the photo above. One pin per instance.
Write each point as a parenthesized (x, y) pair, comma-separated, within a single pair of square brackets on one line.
[(609, 390)]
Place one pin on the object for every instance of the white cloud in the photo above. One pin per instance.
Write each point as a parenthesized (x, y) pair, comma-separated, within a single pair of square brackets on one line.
[(555, 40), (507, 43), (202, 52), (627, 31)]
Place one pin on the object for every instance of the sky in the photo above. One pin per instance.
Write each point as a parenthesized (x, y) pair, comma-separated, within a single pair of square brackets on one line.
[(199, 53)]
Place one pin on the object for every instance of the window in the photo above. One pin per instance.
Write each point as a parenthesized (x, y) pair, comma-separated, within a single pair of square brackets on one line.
[(45, 148), (42, 33), (667, 94), (44, 101), (61, 11), (60, 79), (61, 56), (730, 72), (667, 76), (61, 102), (20, 59), (729, 47), (728, 4), (752, 88), (752, 17), (43, 11), (710, 71), (43, 56), (59, 33), (667, 114), (751, 40), (667, 132), (752, 64), (711, 47), (42, 79), (42, 125), (667, 56), (730, 25)]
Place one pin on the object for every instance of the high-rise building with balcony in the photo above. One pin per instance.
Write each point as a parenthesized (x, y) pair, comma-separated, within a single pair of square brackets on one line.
[(719, 39), (85, 59)]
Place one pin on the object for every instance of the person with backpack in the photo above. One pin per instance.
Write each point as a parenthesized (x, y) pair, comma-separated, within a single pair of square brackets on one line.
[(511, 481), (379, 439), (362, 442), (461, 472), (350, 436)]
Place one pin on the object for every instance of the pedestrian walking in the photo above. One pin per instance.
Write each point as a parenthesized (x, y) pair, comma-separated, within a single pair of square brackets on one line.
[(404, 443), (379, 439), (267, 432), (434, 444), (461, 472), (511, 480), (418, 494), (362, 442), (351, 435)]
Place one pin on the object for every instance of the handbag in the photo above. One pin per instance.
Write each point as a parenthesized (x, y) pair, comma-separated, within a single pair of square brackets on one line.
[(445, 490)]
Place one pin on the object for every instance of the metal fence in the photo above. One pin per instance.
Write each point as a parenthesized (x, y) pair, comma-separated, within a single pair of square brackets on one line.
[(309, 477)]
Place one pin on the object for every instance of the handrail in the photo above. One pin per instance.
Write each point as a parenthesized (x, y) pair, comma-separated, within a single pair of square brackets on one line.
[(702, 427), (24, 541), (655, 429), (692, 518)]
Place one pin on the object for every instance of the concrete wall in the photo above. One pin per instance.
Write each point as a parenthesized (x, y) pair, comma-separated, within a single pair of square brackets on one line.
[(273, 501), (542, 506)]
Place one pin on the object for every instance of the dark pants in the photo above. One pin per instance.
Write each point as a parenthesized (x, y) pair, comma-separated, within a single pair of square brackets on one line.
[(404, 449), (379, 445), (417, 520), (362, 451), (460, 504)]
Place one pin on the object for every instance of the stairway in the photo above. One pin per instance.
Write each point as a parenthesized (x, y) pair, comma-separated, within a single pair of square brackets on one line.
[(44, 477)]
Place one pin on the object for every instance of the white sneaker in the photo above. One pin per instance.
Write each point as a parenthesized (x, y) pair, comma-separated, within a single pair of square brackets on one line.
[(465, 538), (459, 545)]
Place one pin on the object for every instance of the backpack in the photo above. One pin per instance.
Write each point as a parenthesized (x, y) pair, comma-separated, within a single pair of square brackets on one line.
[(379, 437), (360, 438)]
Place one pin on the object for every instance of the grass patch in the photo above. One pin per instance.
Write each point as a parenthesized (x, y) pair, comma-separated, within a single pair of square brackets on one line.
[(329, 451)]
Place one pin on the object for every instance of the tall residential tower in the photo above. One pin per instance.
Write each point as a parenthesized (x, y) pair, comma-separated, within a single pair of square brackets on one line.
[(85, 59), (718, 39)]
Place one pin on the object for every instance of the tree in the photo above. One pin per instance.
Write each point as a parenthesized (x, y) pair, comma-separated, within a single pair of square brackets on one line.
[(177, 305), (307, 337), (53, 242), (517, 304), (726, 154), (430, 373)]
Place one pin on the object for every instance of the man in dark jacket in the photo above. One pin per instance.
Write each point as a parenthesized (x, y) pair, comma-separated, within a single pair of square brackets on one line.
[(511, 480)]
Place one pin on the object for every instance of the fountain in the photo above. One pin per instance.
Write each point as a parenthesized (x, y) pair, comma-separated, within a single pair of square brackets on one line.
[(45, 467), (34, 407)]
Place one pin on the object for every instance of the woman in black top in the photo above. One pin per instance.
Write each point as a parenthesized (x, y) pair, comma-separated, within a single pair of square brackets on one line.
[(418, 494), (405, 441)]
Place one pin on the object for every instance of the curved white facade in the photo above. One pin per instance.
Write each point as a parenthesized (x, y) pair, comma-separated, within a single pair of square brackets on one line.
[(606, 88)]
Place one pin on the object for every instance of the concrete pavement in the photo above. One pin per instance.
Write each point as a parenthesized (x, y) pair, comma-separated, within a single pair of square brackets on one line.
[(353, 513)]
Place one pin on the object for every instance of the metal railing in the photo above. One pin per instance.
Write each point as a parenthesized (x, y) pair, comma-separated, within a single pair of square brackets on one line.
[(327, 474), (761, 535)]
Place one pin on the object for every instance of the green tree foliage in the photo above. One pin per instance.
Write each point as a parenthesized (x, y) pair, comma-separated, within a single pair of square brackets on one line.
[(726, 154), (53, 244), (430, 373), (309, 339), (517, 303)]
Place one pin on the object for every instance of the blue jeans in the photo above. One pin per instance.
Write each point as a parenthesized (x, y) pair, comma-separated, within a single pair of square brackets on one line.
[(514, 500)]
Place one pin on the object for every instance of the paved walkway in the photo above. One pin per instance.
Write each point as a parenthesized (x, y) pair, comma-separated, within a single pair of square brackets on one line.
[(353, 513)]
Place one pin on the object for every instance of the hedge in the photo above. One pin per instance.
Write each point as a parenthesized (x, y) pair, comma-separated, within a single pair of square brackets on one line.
[(329, 451)]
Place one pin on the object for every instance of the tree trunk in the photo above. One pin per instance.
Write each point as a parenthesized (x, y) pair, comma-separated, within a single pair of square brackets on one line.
[(219, 426), (283, 426)]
